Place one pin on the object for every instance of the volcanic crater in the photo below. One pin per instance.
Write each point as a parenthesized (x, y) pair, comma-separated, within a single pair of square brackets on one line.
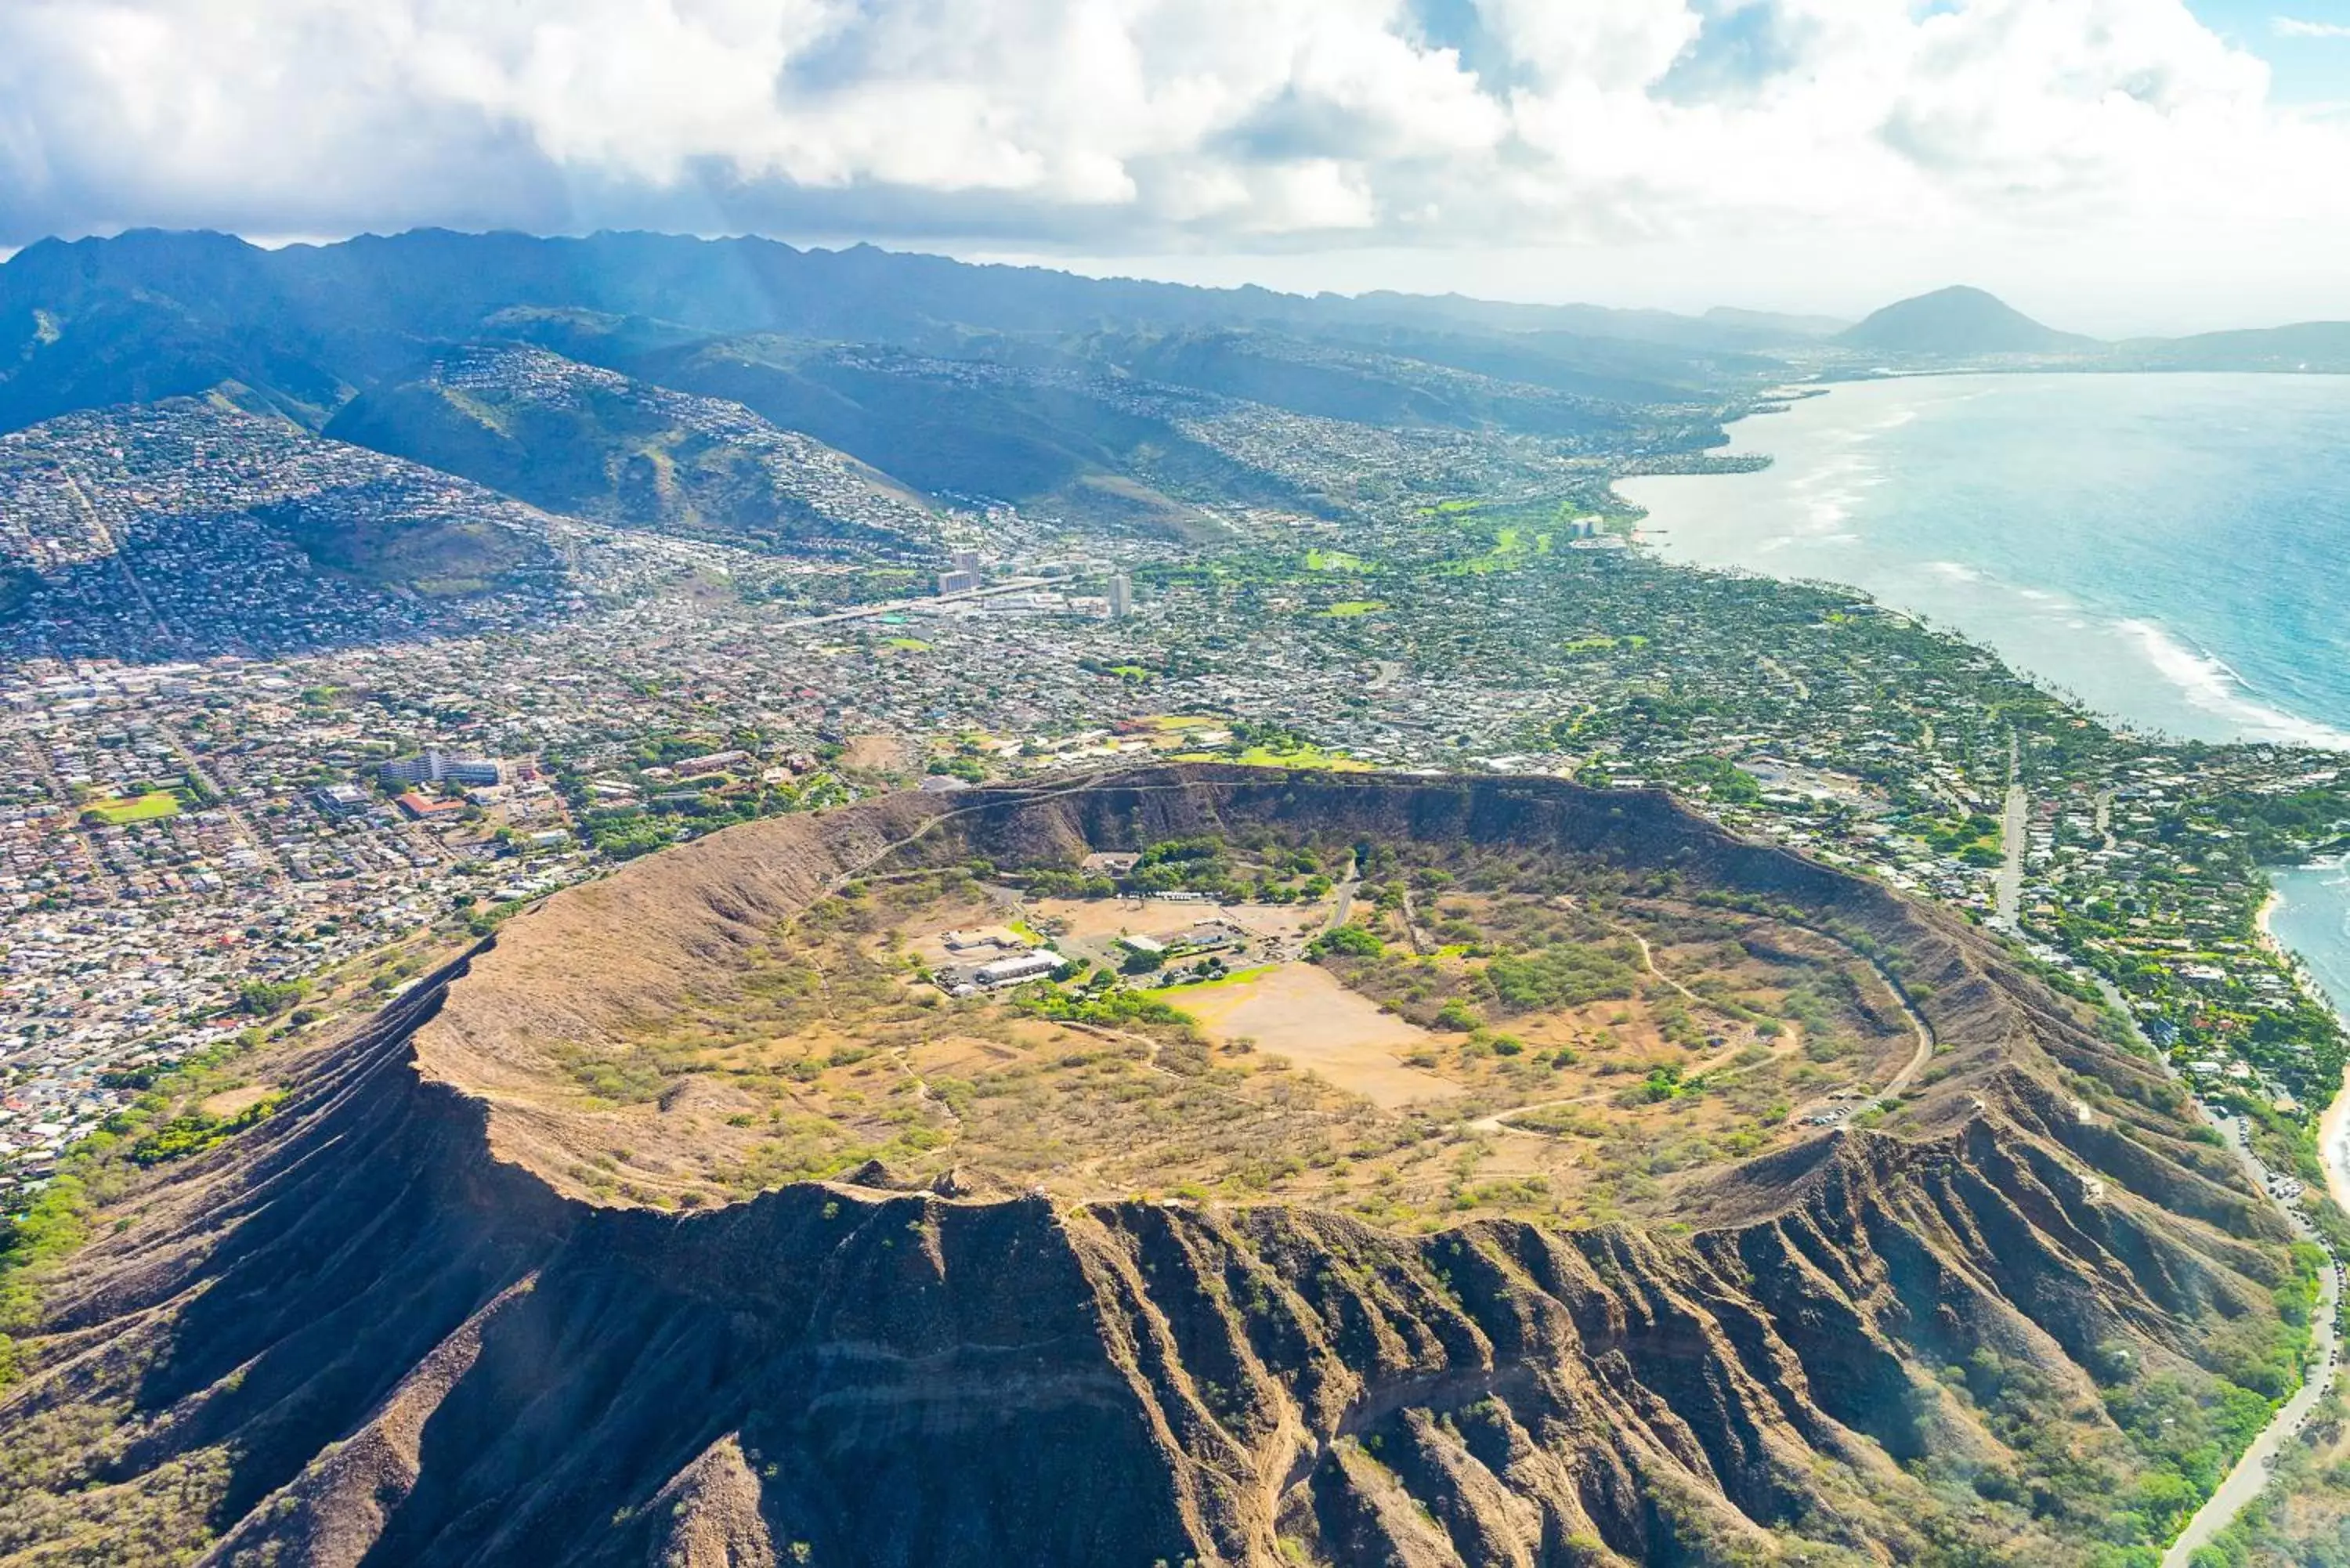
[(1614, 1190)]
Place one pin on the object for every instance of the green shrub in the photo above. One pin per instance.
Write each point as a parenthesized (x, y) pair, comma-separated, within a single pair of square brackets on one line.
[(1348, 941)]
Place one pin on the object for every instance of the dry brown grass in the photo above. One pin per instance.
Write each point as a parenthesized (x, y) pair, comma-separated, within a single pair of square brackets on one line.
[(819, 1048)]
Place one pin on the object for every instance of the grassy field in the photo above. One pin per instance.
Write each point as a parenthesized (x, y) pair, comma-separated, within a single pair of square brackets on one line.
[(1304, 757), (1266, 757), (1174, 994), (152, 807), (1347, 609), (1512, 547)]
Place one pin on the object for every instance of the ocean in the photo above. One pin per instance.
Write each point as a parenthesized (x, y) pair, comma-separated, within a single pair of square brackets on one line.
[(2173, 550), (2312, 918)]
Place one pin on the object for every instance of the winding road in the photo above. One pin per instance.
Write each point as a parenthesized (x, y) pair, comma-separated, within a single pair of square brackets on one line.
[(1919, 1057), (2250, 1476)]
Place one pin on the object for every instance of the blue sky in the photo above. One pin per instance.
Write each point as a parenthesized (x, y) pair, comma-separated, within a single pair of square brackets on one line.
[(2306, 69)]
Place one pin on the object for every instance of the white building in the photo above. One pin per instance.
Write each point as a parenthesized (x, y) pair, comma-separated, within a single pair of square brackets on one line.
[(1013, 971), (437, 766)]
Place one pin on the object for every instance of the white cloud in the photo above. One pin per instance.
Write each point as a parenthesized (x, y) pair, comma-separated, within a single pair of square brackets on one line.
[(2293, 27), (1113, 126)]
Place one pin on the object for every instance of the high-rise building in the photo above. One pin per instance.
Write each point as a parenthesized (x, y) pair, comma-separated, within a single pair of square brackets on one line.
[(1121, 596), (437, 766), (966, 561), (957, 582)]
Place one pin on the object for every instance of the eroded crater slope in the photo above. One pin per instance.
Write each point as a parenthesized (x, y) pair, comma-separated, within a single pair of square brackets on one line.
[(484, 1292)]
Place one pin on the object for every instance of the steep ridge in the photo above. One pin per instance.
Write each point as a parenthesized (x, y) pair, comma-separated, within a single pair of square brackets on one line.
[(383, 1329), (590, 443)]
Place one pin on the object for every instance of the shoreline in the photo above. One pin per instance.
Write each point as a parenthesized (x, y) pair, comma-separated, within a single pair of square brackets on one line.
[(2253, 1473), (2333, 1154), (2138, 669)]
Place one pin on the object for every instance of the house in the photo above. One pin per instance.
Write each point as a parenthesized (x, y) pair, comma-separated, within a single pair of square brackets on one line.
[(711, 762)]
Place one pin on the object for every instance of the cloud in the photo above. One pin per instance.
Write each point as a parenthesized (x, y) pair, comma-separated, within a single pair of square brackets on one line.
[(2293, 27), (1125, 126)]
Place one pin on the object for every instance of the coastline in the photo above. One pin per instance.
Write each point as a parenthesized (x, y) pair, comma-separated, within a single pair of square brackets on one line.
[(2253, 1474), (1865, 488), (2333, 1152)]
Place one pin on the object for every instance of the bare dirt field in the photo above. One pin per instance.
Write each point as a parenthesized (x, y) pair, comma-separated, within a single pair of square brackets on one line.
[(1300, 1011), (877, 753)]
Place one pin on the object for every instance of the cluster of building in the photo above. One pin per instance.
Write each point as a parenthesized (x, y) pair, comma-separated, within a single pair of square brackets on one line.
[(990, 958), (226, 798), (1201, 939), (185, 529)]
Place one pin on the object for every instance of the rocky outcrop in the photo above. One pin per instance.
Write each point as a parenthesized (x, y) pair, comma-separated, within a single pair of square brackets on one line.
[(402, 1343)]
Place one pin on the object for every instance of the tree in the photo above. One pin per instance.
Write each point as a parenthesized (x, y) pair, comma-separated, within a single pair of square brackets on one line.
[(263, 998), (1347, 940)]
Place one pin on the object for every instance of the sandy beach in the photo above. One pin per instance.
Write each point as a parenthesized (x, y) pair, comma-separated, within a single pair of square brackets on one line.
[(2331, 1125)]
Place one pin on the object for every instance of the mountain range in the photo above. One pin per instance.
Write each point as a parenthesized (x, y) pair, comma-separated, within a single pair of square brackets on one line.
[(1019, 384), (713, 386)]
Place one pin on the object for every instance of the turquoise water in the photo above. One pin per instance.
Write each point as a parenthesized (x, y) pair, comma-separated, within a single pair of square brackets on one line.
[(2312, 917), (2174, 550)]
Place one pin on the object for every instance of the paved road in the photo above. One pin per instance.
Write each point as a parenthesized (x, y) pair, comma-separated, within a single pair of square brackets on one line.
[(1009, 585), (71, 820), (226, 802), (1343, 908), (114, 552), (2015, 838), (1901, 1080), (2250, 1475)]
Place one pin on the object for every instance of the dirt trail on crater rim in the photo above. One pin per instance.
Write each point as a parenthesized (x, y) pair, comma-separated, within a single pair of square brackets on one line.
[(387, 1327)]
